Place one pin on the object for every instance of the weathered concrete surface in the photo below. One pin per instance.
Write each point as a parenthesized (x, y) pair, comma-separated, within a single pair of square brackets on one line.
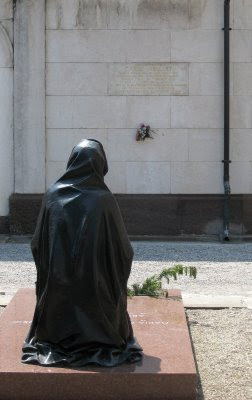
[(29, 96), (186, 46), (76, 14), (209, 112), (96, 46), (107, 111), (196, 177), (216, 301), (242, 78), (6, 9), (76, 79), (6, 106), (243, 14), (207, 79), (165, 68)]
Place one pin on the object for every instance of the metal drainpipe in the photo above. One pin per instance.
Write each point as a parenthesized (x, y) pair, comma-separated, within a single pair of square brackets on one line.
[(226, 161)]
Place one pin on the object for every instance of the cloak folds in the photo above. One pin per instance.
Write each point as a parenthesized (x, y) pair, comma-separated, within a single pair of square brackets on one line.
[(83, 258)]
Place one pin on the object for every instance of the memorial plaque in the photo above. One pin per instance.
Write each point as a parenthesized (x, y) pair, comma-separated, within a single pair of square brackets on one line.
[(167, 371), (148, 79)]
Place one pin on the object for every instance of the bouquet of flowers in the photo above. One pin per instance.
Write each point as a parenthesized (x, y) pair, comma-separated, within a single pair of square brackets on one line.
[(143, 132)]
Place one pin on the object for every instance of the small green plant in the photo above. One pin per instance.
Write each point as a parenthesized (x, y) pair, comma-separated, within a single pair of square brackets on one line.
[(152, 286)]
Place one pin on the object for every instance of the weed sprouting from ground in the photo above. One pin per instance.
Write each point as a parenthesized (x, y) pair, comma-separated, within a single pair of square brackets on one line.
[(152, 286)]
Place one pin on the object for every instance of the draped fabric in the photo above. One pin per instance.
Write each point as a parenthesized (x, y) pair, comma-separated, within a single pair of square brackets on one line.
[(83, 258)]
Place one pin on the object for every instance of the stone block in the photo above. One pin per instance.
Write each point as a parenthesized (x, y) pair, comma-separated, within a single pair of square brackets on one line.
[(189, 45), (240, 46), (142, 14), (24, 210), (107, 111), (59, 111), (205, 145), (242, 79), (152, 110), (148, 79), (241, 112), (206, 14), (247, 214), (207, 79), (165, 14), (116, 176), (241, 177), (148, 177), (76, 79), (7, 24), (76, 14), (99, 112), (167, 371), (197, 112), (148, 46), (86, 46), (243, 14), (54, 170), (6, 51), (201, 213), (6, 139), (95, 46), (86, 112), (29, 96), (61, 141), (167, 145), (150, 214), (4, 225), (240, 144), (196, 177), (6, 9)]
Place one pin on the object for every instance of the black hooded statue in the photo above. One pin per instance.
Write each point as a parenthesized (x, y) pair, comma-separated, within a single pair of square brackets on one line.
[(83, 258)]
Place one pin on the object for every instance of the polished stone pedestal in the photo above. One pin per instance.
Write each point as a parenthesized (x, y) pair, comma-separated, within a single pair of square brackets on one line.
[(167, 371)]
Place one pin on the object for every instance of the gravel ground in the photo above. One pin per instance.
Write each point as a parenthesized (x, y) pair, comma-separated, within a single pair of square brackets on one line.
[(222, 341), (221, 338), (222, 268)]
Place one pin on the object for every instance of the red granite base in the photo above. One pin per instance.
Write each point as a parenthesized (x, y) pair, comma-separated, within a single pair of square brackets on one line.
[(167, 371)]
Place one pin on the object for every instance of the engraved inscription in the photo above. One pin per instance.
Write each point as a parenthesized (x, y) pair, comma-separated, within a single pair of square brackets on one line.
[(21, 322), (144, 321), (148, 79)]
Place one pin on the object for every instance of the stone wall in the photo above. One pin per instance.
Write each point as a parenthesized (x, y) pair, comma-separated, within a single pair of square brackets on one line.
[(99, 68), (6, 105), (114, 64)]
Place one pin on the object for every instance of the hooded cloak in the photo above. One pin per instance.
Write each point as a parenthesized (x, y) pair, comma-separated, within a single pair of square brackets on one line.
[(83, 258)]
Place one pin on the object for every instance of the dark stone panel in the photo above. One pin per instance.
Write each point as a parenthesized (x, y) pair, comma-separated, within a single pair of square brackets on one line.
[(153, 215), (150, 214), (4, 225), (198, 212), (247, 214), (236, 225), (24, 209)]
